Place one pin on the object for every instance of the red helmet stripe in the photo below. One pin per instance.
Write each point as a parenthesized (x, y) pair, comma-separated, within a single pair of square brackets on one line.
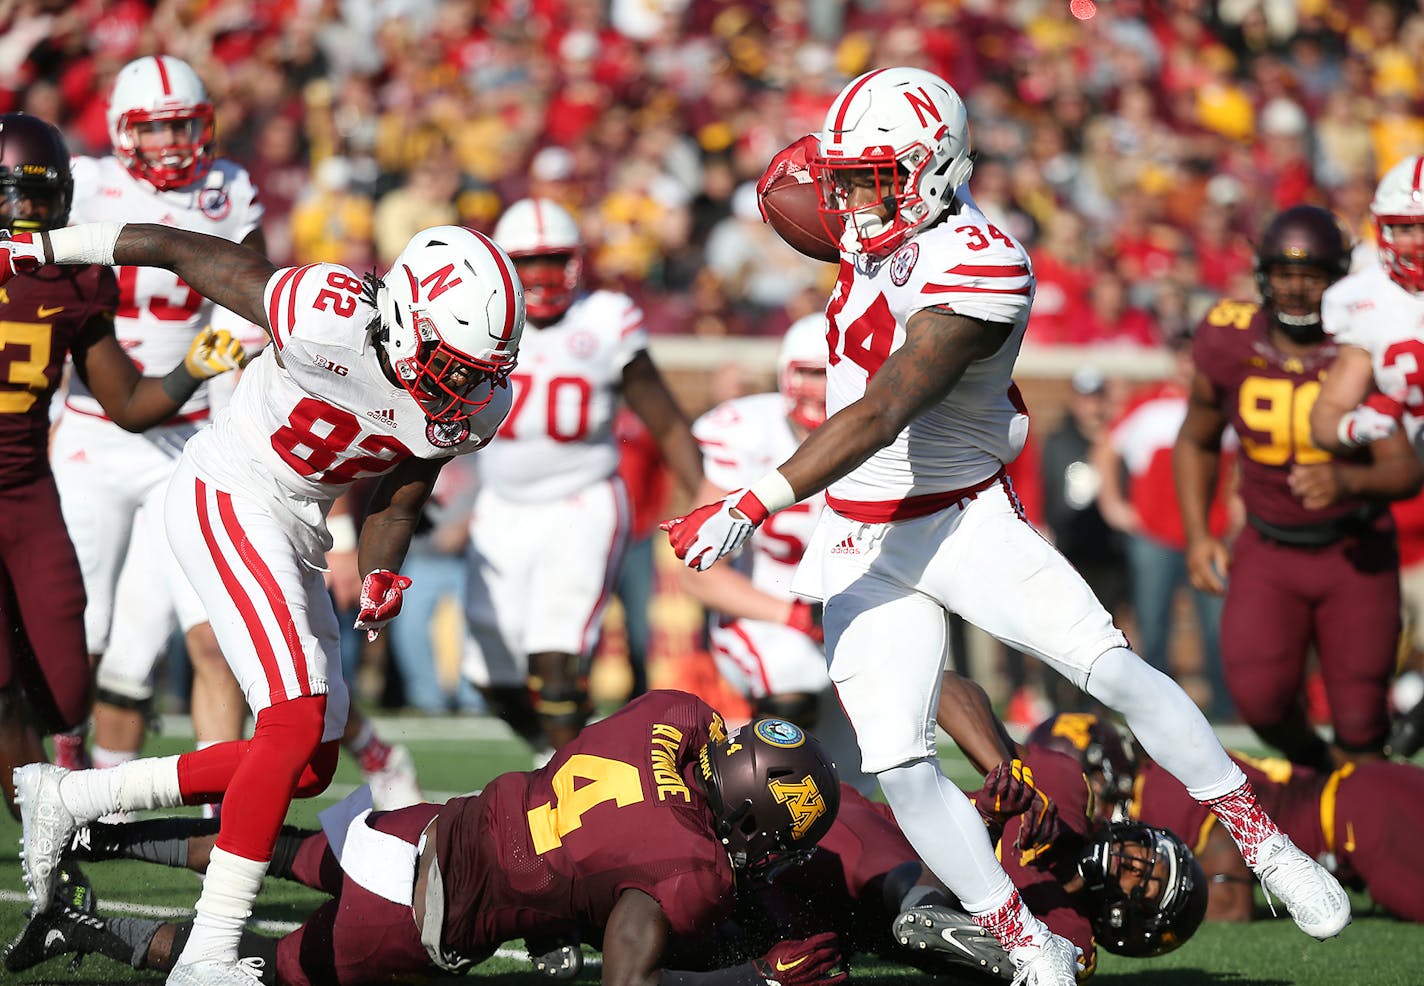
[(163, 75), (539, 220), (839, 127), (507, 276), (1418, 172)]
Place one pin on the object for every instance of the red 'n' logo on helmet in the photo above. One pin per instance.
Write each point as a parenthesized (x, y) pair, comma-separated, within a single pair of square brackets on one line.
[(442, 281), (922, 104)]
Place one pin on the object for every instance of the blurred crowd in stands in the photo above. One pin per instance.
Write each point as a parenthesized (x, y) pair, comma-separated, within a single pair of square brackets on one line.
[(1134, 152)]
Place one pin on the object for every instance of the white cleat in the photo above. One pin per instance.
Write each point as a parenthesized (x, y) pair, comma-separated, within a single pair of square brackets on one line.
[(395, 785), (243, 972), (1054, 963), (47, 828), (1315, 899)]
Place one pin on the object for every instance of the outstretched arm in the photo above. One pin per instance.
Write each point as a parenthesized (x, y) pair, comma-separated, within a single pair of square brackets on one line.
[(939, 347), (224, 272), (395, 512)]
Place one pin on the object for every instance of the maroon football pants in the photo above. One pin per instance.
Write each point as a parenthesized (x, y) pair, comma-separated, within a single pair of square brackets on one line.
[(357, 936), (42, 607), (1377, 811), (1344, 598)]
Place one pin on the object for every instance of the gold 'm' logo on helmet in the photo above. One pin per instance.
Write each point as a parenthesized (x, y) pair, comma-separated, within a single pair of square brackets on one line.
[(1074, 727), (803, 800)]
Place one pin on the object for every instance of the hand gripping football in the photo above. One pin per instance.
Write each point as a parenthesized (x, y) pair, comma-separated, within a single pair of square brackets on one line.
[(792, 206)]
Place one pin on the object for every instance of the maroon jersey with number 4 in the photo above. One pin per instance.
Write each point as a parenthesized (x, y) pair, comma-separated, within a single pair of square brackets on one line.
[(43, 317), (620, 808), (1267, 396)]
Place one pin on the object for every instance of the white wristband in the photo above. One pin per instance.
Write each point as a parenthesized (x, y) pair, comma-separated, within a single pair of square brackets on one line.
[(774, 492), (343, 532), (88, 243), (1342, 430)]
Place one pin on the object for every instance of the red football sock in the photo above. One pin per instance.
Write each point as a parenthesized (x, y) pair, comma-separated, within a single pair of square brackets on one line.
[(1012, 923), (1245, 820)]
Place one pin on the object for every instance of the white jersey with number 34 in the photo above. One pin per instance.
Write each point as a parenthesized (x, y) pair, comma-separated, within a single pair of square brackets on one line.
[(313, 412), (965, 265)]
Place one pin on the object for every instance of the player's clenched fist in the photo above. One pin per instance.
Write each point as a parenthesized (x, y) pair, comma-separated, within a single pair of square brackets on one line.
[(716, 529), (212, 352), (810, 962), (19, 254), (1009, 791), (1378, 417), (380, 600)]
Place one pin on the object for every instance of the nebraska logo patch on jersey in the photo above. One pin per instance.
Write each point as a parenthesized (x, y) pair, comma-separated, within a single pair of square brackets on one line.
[(582, 344), (903, 262), (214, 203), (445, 434)]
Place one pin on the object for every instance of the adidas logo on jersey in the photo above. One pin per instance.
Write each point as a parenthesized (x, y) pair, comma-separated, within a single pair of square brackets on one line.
[(387, 416), (846, 547)]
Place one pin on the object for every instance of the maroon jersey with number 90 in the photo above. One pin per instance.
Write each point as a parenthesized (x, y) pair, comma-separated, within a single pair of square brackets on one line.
[(44, 316), (620, 808)]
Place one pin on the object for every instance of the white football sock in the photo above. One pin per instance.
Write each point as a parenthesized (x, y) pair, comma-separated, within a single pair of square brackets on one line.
[(229, 888), (150, 782)]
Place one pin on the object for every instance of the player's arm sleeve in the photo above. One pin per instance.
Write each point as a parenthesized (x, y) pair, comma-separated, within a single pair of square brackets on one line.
[(631, 329)]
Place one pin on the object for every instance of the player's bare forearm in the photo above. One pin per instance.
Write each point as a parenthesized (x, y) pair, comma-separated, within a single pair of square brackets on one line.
[(649, 398), (634, 940), (133, 401), (1395, 474), (230, 274), (395, 513), (1196, 457), (964, 712), (938, 349), (1347, 382)]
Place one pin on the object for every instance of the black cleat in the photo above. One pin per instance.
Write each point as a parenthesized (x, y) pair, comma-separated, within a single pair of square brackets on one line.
[(1406, 734), (943, 938), (557, 958), (46, 936)]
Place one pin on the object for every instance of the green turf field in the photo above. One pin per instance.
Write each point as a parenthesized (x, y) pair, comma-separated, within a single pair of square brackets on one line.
[(455, 756)]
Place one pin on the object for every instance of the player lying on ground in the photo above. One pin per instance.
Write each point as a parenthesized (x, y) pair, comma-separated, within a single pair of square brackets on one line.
[(636, 831), (1362, 819)]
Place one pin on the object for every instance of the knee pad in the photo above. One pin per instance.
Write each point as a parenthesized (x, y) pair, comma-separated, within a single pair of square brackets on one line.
[(561, 703), (797, 707)]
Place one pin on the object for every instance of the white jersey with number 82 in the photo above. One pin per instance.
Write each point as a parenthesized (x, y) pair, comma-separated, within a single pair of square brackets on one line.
[(313, 412)]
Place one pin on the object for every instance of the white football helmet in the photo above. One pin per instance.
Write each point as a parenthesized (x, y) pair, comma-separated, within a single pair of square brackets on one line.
[(160, 90), (452, 311), (543, 228), (903, 133), (801, 371), (1399, 201)]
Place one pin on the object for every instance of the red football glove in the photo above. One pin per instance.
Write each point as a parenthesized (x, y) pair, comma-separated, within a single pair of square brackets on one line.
[(810, 962), (1008, 791), (19, 253), (806, 617), (380, 600), (788, 161), (714, 530)]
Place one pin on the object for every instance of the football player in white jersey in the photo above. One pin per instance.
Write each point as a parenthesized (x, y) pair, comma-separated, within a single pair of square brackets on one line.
[(1376, 315), (925, 323), (163, 170), (766, 641), (369, 377), (552, 517)]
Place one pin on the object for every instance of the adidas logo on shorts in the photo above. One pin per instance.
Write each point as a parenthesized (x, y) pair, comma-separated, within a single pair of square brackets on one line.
[(846, 547)]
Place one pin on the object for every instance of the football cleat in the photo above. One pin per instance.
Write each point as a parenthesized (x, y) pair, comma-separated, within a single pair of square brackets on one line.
[(395, 785), (557, 958), (953, 937), (1314, 898), (47, 936), (47, 827), (243, 972), (1053, 963)]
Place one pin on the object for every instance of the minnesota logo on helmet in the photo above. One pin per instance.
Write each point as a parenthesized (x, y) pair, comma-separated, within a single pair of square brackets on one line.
[(773, 793)]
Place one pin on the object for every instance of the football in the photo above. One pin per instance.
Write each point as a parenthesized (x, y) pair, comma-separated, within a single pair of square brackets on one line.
[(792, 204)]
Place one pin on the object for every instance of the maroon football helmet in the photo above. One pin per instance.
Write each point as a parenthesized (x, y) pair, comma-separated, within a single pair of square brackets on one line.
[(35, 184), (1108, 760), (1302, 236), (773, 791)]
